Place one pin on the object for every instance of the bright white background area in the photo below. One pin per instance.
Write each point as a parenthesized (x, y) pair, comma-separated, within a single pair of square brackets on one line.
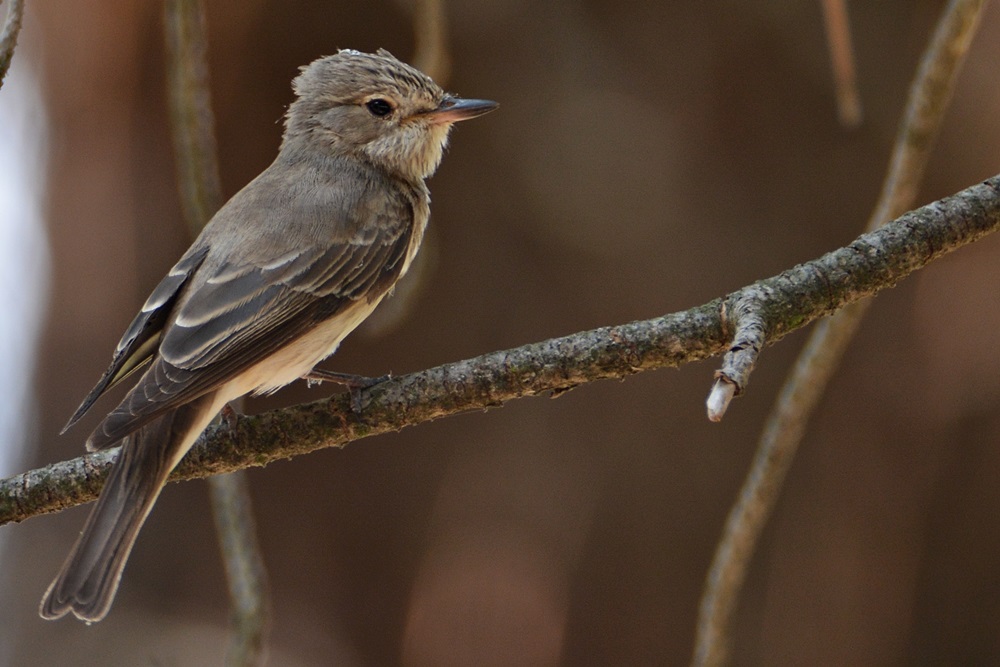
[(24, 266)]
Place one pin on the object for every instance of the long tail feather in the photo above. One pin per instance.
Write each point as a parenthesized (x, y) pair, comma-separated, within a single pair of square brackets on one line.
[(89, 578)]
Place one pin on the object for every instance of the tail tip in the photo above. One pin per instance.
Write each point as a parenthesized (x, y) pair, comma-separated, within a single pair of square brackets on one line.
[(56, 604)]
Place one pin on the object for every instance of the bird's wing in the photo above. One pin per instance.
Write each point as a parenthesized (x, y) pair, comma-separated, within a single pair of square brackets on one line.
[(237, 314), (142, 337)]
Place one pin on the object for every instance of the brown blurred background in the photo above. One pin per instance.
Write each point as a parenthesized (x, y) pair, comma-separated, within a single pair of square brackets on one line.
[(648, 156)]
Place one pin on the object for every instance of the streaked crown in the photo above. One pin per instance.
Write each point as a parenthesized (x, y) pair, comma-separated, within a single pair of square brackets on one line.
[(373, 106)]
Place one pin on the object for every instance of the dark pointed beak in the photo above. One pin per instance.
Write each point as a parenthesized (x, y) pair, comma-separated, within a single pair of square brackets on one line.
[(454, 109)]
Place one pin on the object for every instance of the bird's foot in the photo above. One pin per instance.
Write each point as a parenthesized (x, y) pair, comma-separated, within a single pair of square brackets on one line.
[(229, 416), (354, 383)]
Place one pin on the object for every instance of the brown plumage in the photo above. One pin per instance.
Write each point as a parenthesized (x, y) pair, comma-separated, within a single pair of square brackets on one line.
[(285, 269)]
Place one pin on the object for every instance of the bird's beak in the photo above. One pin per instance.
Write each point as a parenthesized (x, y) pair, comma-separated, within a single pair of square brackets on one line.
[(454, 109)]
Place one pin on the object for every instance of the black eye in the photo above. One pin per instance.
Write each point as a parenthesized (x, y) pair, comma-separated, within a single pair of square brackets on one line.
[(379, 107)]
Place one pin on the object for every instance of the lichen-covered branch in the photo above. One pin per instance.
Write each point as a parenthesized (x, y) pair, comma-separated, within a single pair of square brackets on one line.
[(749, 328), (929, 96), (792, 299)]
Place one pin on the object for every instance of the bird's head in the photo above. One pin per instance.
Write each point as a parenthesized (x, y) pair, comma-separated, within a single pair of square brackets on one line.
[(378, 108)]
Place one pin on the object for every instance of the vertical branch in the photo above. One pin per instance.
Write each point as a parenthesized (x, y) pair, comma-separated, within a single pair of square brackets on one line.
[(245, 571), (928, 99), (8, 37), (431, 35), (201, 196), (430, 56), (191, 118), (838, 36)]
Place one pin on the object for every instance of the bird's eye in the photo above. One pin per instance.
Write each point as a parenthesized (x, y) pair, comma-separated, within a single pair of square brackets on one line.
[(379, 107)]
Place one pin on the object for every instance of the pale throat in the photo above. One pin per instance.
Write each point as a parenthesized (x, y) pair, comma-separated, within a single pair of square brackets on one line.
[(413, 153)]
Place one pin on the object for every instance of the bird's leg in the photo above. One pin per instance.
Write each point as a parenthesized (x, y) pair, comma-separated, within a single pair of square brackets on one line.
[(354, 383), (229, 416), (318, 376)]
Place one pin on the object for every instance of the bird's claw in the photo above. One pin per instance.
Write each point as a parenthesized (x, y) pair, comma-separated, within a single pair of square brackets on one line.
[(229, 416), (354, 383)]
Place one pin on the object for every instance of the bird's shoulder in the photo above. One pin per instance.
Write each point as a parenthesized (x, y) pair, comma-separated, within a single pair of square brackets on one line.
[(295, 245), (298, 244), (313, 202)]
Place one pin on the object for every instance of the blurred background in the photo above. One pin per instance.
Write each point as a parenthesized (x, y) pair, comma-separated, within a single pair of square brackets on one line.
[(647, 157)]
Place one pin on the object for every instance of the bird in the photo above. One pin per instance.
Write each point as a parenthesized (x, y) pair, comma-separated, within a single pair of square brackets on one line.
[(287, 268)]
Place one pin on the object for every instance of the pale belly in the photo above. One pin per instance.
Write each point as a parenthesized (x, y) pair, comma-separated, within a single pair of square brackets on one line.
[(298, 358)]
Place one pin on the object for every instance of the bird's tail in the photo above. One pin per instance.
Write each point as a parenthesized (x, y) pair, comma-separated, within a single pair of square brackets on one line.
[(87, 583)]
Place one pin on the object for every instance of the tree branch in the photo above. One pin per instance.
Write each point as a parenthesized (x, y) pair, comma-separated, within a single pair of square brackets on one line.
[(191, 119), (193, 125), (929, 96), (838, 37), (430, 33), (246, 576), (790, 300)]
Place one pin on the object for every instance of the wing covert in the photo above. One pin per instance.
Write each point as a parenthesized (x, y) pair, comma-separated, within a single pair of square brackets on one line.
[(239, 315), (141, 340)]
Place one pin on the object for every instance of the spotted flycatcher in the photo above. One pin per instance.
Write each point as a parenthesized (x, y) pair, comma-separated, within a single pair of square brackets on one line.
[(279, 276)]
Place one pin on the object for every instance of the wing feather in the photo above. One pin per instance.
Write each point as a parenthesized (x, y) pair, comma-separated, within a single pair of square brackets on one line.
[(236, 317), (141, 340)]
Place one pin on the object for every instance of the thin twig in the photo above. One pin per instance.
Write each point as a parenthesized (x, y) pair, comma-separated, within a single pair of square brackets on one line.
[(430, 56), (838, 36), (929, 97), (8, 36), (874, 261), (749, 337), (201, 196), (191, 117), (430, 29), (248, 590)]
